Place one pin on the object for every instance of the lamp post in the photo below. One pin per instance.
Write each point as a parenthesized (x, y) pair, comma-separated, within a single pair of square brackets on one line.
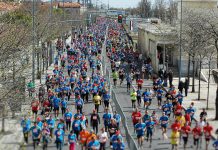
[(180, 44), (33, 41)]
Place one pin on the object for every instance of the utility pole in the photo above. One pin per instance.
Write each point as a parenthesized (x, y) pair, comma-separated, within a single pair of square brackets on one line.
[(180, 44), (63, 25), (108, 5), (33, 41)]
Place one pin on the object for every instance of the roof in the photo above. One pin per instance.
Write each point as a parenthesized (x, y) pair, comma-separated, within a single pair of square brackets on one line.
[(8, 6), (69, 5), (158, 29)]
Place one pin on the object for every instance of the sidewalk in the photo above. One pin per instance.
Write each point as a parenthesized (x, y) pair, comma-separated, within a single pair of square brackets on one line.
[(199, 105), (12, 138)]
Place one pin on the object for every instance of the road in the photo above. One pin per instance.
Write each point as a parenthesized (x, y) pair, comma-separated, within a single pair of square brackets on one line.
[(88, 108)]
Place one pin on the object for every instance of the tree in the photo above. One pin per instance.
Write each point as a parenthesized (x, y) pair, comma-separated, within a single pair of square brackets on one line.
[(194, 40), (145, 8)]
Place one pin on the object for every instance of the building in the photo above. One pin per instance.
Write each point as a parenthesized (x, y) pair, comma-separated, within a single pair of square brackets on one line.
[(115, 13), (7, 7), (156, 40)]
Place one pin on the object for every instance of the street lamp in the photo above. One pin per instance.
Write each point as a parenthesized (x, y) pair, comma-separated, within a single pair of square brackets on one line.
[(180, 44), (33, 41)]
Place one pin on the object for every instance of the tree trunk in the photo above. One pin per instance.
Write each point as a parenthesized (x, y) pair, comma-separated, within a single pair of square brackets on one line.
[(193, 75), (199, 82), (216, 117), (189, 64), (208, 87), (37, 58), (216, 45)]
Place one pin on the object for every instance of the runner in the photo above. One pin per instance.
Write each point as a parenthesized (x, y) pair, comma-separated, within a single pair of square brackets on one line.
[(107, 118), (26, 124), (103, 139), (68, 118), (139, 97), (95, 121), (72, 141), (185, 130), (59, 133), (140, 131), (175, 138), (117, 117), (36, 134), (197, 134), (207, 132), (133, 96), (83, 136), (164, 119), (149, 128), (136, 116)]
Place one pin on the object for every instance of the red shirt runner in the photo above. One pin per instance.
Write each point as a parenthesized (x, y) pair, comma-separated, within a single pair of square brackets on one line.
[(136, 116)]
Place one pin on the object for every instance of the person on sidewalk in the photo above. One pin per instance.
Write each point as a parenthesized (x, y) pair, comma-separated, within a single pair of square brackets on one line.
[(165, 77), (170, 76), (186, 86), (181, 86)]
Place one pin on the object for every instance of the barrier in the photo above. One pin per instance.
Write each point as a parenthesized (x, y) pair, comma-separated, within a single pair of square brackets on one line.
[(131, 142)]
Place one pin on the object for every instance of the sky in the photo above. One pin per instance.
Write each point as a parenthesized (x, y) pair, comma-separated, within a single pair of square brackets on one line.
[(115, 3), (120, 3)]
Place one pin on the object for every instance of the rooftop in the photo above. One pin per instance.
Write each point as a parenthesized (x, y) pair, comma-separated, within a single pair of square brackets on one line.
[(69, 5), (8, 6), (158, 29)]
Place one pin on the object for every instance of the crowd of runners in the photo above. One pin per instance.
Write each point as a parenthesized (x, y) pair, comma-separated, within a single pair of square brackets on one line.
[(77, 77), (126, 65), (77, 80)]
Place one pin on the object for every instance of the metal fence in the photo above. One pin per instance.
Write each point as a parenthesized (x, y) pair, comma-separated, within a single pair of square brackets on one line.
[(131, 142)]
